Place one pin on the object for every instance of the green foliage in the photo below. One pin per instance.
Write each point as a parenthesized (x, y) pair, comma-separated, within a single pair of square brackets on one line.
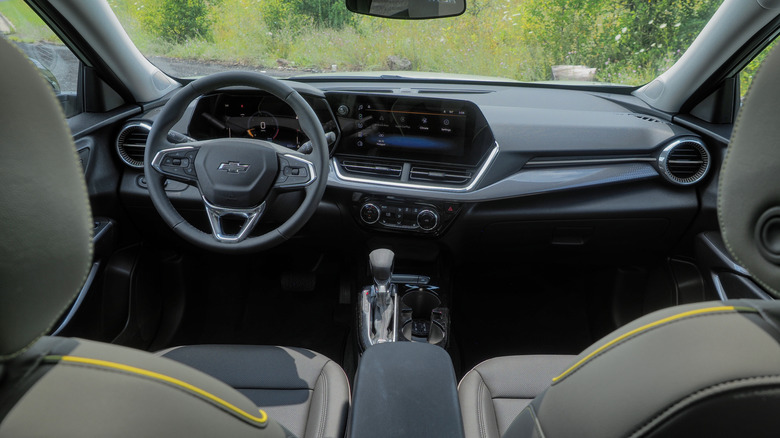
[(635, 38), (176, 21), (750, 70), (294, 16), (627, 41)]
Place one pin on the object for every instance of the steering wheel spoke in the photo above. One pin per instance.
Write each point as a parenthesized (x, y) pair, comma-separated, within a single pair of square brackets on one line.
[(216, 215), (295, 172), (177, 163)]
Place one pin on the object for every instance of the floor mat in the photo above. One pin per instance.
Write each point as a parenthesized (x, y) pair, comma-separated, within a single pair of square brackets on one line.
[(241, 301)]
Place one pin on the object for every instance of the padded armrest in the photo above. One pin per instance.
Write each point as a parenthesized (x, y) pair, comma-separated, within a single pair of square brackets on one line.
[(405, 389)]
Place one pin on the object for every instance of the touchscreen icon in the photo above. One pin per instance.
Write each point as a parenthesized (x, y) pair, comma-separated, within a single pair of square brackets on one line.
[(425, 120), (446, 122)]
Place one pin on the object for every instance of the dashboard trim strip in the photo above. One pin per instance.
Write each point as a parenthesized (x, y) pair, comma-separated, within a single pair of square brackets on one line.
[(477, 178), (587, 161)]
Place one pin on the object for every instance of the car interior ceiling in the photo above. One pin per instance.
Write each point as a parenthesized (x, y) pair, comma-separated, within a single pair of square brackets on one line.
[(553, 220)]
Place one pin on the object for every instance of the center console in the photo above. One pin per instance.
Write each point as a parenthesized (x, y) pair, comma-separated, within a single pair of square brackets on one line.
[(425, 397), (400, 308)]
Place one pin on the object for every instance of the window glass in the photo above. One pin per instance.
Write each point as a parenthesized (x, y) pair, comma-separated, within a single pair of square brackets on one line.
[(747, 73), (624, 42), (55, 62)]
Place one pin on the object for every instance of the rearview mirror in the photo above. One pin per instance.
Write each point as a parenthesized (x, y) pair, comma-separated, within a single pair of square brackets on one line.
[(408, 9)]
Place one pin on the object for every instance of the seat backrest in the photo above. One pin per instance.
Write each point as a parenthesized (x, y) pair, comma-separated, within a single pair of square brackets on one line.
[(72, 387)]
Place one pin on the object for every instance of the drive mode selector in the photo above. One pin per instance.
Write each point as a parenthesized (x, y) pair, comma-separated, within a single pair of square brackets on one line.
[(427, 219), (369, 213)]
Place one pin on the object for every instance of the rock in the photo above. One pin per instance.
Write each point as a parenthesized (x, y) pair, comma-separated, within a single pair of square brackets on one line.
[(573, 73), (283, 62), (6, 26), (398, 63)]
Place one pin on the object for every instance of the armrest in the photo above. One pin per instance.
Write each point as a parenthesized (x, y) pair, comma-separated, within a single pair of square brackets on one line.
[(405, 389)]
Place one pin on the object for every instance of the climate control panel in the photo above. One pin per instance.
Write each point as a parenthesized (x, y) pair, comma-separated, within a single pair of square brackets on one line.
[(393, 214)]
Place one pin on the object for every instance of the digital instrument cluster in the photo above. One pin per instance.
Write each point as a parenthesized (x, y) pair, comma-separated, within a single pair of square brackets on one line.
[(252, 114)]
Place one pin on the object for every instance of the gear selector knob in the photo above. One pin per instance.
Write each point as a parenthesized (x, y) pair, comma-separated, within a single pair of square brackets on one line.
[(381, 261)]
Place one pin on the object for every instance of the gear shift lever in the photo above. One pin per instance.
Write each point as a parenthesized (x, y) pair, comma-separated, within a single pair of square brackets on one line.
[(379, 318), (381, 261)]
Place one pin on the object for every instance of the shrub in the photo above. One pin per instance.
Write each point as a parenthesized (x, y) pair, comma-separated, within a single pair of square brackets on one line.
[(177, 21)]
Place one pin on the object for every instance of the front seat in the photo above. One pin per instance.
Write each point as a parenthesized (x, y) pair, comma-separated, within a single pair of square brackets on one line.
[(53, 386), (707, 369)]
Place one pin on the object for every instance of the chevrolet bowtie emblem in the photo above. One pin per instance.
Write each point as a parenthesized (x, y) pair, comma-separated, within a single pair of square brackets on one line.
[(233, 167)]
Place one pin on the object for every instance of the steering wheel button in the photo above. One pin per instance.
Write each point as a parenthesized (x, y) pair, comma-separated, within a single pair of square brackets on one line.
[(296, 171), (176, 162)]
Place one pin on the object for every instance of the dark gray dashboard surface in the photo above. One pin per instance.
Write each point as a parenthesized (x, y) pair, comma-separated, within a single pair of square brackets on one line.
[(538, 123)]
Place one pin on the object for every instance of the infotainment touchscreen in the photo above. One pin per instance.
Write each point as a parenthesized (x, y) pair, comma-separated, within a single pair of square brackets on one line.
[(405, 127)]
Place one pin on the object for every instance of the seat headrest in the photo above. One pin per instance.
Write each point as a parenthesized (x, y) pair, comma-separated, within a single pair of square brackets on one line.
[(748, 190), (45, 218)]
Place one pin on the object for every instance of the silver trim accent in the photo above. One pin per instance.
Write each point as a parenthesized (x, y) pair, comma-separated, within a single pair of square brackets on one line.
[(215, 214), (79, 298), (435, 222), (366, 205), (663, 162), (587, 161), (120, 148), (308, 164), (480, 173)]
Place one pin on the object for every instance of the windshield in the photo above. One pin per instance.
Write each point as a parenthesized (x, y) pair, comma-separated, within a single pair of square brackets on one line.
[(623, 42)]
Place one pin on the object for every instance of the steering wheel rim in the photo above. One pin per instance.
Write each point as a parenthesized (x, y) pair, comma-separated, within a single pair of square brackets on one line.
[(159, 150)]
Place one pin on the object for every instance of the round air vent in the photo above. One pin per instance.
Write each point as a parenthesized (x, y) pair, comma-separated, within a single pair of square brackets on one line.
[(131, 143), (684, 161)]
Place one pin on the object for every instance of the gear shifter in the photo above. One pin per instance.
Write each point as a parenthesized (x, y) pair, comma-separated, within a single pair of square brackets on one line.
[(381, 262), (379, 304)]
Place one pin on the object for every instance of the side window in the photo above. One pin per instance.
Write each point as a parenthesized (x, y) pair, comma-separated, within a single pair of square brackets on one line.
[(747, 73), (54, 60)]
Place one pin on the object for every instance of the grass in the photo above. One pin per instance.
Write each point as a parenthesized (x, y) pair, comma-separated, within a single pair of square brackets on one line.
[(28, 26)]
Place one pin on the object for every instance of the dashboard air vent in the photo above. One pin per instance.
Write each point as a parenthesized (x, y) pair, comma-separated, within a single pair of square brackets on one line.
[(374, 168), (131, 143), (685, 161), (645, 117), (440, 175)]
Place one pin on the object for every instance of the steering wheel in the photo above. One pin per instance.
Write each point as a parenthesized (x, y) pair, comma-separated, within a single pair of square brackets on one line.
[(237, 178)]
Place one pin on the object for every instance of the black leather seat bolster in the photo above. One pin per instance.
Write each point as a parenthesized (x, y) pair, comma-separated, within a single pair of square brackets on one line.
[(497, 390), (304, 391)]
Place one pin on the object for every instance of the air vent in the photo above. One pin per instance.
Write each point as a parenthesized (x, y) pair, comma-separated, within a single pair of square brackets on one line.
[(131, 143), (646, 118), (373, 168), (685, 161), (439, 175)]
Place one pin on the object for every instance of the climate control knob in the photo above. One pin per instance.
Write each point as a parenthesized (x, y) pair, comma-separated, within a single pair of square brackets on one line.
[(427, 219), (369, 213)]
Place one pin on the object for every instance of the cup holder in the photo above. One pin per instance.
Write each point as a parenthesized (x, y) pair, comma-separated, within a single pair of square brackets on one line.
[(418, 324), (421, 302)]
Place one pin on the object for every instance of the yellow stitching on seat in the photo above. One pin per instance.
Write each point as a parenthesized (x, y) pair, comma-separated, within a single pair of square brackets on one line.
[(647, 327), (261, 420)]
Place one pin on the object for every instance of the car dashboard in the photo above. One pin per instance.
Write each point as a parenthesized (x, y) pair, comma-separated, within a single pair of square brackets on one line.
[(475, 165)]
